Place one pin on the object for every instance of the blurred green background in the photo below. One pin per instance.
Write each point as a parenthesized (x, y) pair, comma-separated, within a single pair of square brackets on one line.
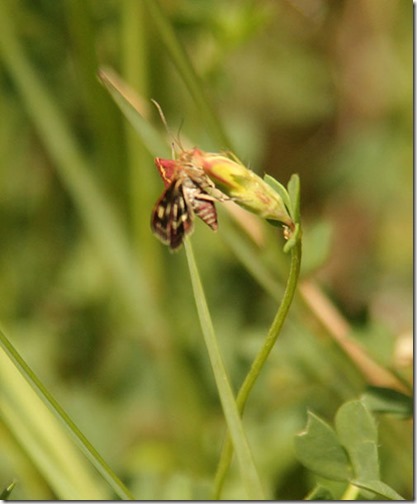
[(104, 314)]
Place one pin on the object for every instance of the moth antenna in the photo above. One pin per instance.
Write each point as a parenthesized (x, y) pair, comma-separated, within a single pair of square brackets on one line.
[(179, 135), (161, 115), (164, 122)]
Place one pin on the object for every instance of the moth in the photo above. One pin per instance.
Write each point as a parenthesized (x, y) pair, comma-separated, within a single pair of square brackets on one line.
[(188, 192)]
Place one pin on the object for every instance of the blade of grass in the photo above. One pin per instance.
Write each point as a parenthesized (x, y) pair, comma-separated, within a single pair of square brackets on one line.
[(100, 113), (100, 219), (247, 466), (49, 458), (136, 111), (82, 442), (187, 72), (143, 183), (132, 107)]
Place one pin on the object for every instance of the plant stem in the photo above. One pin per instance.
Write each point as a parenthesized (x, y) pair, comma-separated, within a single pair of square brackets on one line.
[(351, 493), (244, 456), (259, 362)]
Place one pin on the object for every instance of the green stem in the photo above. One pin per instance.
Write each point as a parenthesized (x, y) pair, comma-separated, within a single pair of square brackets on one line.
[(259, 362), (351, 493), (244, 456)]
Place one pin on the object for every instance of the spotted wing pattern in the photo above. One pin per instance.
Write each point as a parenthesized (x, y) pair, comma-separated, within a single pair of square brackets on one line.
[(188, 191), (172, 216)]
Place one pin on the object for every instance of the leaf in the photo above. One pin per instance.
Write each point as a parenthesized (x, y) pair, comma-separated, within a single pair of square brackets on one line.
[(380, 488), (357, 432), (279, 188), (320, 493), (385, 400), (294, 193), (320, 451)]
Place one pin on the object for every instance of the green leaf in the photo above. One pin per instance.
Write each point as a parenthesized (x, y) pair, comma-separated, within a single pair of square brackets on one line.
[(320, 451), (380, 488), (7, 491), (320, 493), (294, 193), (279, 188), (385, 400), (356, 429), (291, 199)]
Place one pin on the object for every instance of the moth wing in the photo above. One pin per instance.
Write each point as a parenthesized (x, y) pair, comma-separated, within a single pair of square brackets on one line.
[(206, 211), (167, 169), (201, 202), (172, 216)]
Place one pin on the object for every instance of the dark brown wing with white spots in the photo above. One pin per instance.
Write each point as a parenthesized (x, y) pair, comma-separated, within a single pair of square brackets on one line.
[(172, 216)]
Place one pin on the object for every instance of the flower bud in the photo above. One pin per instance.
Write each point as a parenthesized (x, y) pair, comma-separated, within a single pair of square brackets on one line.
[(243, 186)]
